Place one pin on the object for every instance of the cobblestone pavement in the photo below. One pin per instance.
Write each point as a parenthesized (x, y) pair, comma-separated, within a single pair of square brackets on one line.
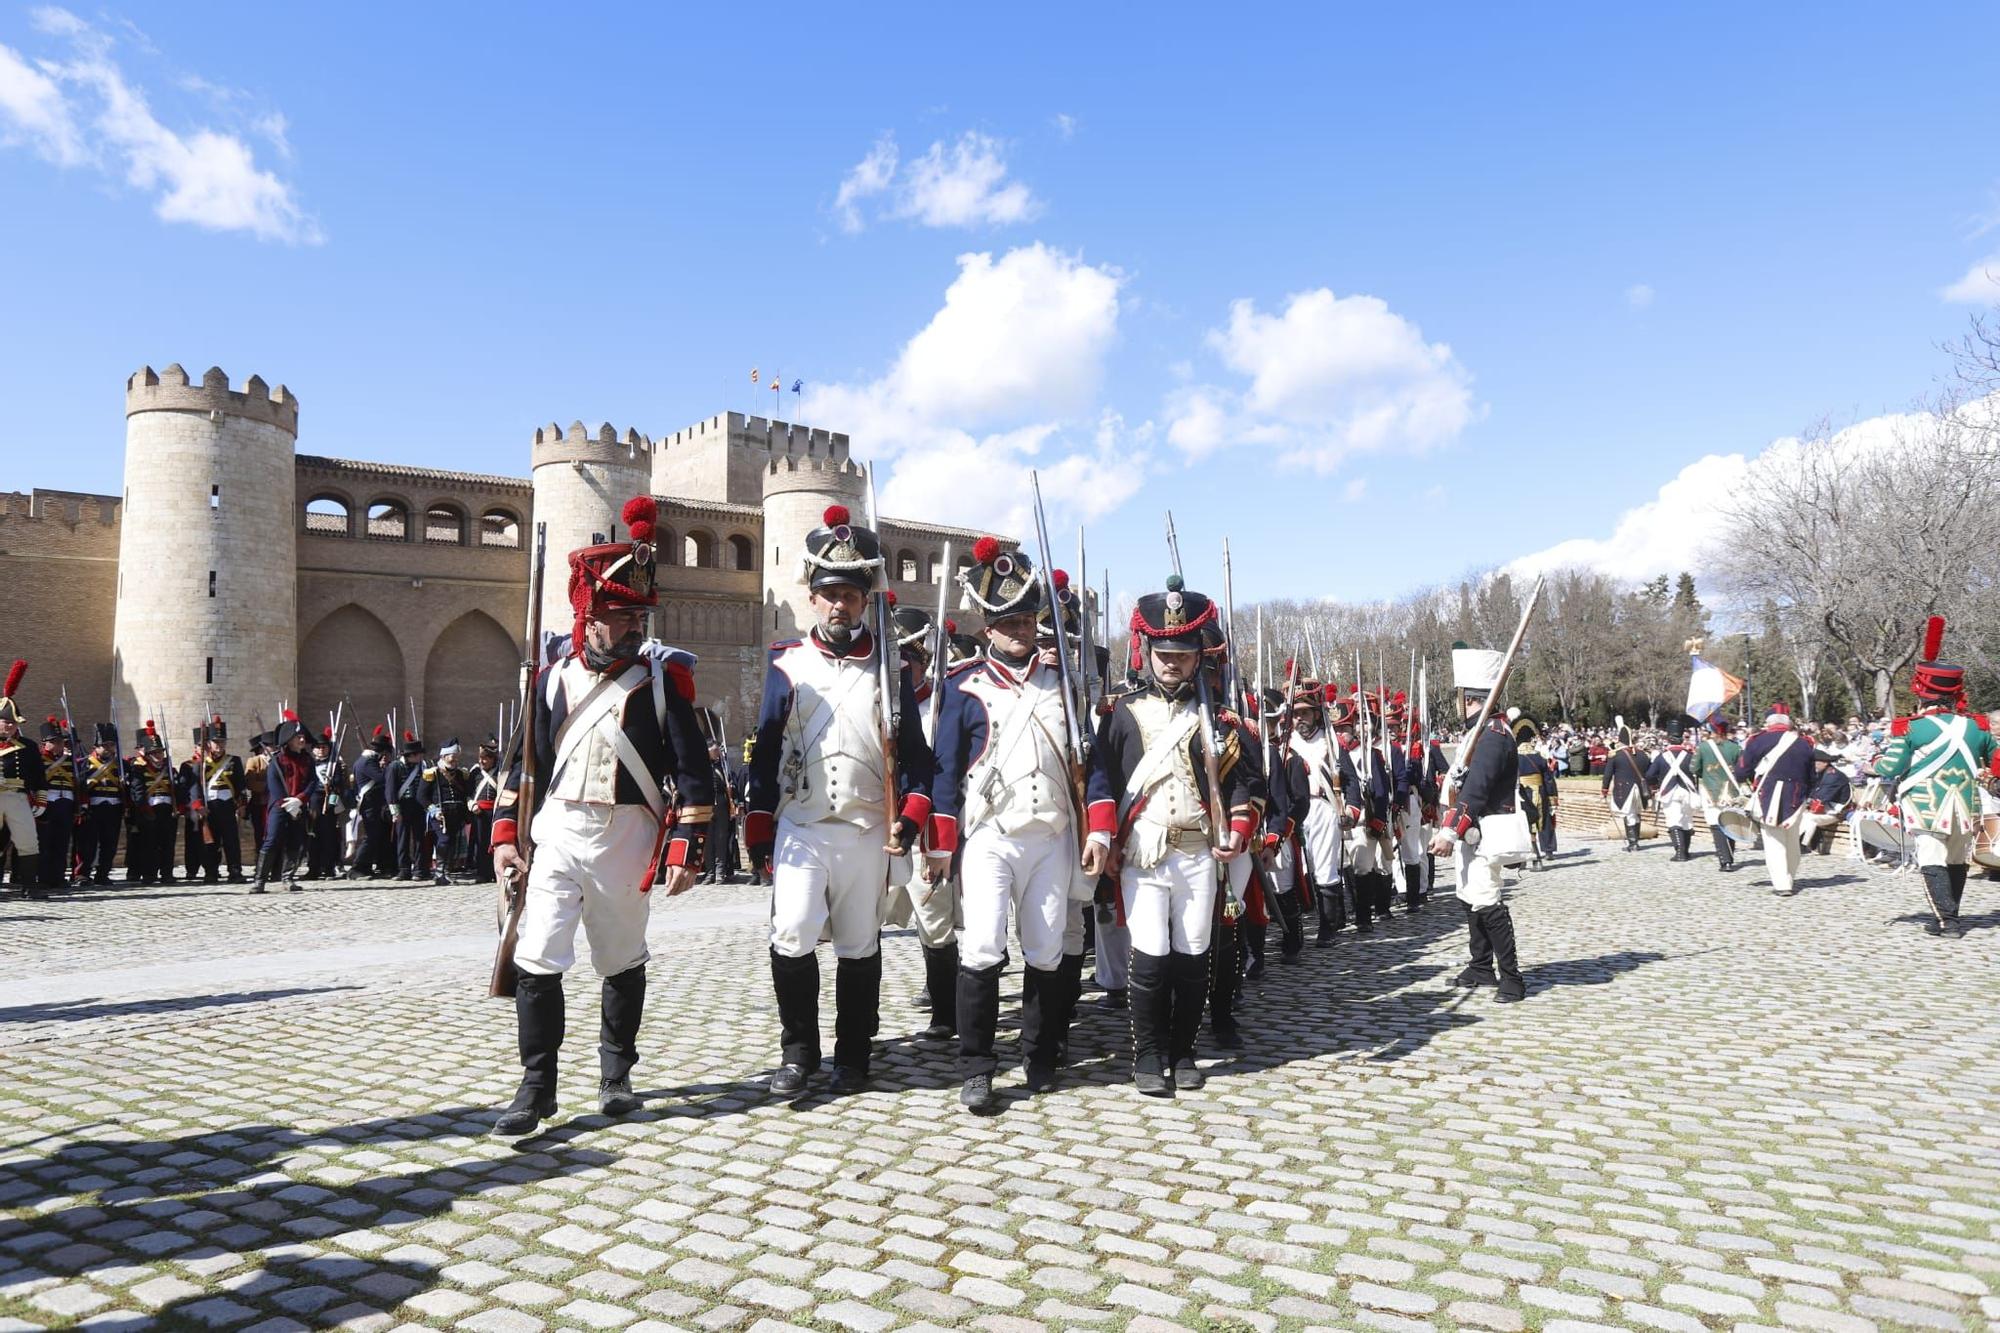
[(1718, 1108)]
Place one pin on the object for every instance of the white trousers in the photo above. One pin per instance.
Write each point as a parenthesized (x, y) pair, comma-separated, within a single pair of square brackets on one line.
[(1170, 907), (933, 907), (1367, 852), (1320, 837), (1942, 849), (1480, 883), (590, 865), (825, 875), (1677, 809), (1410, 846), (1781, 855), (18, 817), (1027, 876)]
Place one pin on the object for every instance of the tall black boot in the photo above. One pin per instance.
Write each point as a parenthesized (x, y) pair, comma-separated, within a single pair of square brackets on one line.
[(1188, 973), (1043, 1024), (1069, 979), (538, 1013), (1291, 926), (1225, 978), (1479, 971), (857, 1016), (1957, 876), (978, 992), (941, 984), (1631, 835), (1725, 850), (795, 981), (1326, 903), (266, 860), (624, 1000), (1256, 939), (1385, 892), (1362, 887), (1500, 931), (1149, 998), (1944, 911), (1413, 885), (28, 874)]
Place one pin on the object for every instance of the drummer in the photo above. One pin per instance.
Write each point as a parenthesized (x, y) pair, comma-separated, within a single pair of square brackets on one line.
[(1715, 759), (1832, 794)]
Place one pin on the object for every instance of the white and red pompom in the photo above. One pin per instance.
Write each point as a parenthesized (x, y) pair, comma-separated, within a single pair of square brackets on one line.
[(149, 726), (985, 549), (381, 733), (1933, 638), (640, 515), (836, 515), (1060, 578), (891, 595), (288, 715), (951, 627), (14, 674), (409, 735)]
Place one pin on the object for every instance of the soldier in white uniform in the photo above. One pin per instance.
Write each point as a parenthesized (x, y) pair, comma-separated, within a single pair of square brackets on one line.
[(1674, 787), (1004, 799), (1336, 802), (1485, 791), (819, 806), (614, 724), (932, 903), (1150, 795)]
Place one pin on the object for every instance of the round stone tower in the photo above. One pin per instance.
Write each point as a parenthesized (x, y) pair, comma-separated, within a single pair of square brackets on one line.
[(797, 490), (582, 481), (207, 556)]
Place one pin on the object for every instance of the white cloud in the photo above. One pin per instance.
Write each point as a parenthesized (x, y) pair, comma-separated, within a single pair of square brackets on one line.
[(1330, 377), (1679, 527), (1639, 296), (1979, 286), (961, 184), (1002, 378), (81, 110), (1065, 124)]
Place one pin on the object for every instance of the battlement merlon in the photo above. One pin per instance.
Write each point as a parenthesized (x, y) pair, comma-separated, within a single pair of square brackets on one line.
[(764, 435), (170, 391), (70, 508), (580, 444)]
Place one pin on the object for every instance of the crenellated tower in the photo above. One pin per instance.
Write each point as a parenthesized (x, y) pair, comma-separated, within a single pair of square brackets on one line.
[(207, 554), (582, 479)]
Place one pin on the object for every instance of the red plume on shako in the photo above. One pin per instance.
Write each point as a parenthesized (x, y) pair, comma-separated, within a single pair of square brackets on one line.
[(8, 708), (1000, 582), (616, 576), (841, 551)]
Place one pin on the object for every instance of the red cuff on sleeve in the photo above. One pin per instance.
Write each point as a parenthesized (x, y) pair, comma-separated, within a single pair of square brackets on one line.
[(1458, 821), (759, 827), (1103, 816), (678, 851), (916, 808), (944, 833), (1354, 814), (506, 833), (1243, 826)]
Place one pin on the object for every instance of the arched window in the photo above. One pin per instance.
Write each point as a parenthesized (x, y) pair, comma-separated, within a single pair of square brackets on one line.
[(500, 528), (444, 525), (388, 521), (906, 566), (742, 555), (328, 516), (937, 567), (699, 551)]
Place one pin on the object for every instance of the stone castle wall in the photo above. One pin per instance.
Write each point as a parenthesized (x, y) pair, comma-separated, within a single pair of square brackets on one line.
[(59, 569)]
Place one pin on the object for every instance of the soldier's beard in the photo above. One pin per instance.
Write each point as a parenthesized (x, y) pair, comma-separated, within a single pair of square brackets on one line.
[(618, 650), (839, 633)]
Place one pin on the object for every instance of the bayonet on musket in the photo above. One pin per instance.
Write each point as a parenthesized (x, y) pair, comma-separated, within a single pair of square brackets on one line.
[(1066, 682)]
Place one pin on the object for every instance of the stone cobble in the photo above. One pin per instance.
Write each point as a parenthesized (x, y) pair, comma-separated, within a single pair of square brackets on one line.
[(1716, 1108)]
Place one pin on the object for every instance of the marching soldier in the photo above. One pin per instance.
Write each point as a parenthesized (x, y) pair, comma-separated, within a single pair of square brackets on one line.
[(1624, 785), (406, 776), (1487, 789), (1832, 796), (1779, 761), (1537, 782), (150, 813), (1151, 801), (1715, 759), (614, 725), (291, 787), (57, 819), (1289, 803), (1675, 787), (720, 869), (1411, 833), (915, 896), (1240, 900), (1937, 757), (1005, 804), (323, 829), (104, 809), (223, 788), (22, 787), (820, 808), (1370, 849), (375, 846), (1334, 794), (440, 791), (485, 776), (256, 777)]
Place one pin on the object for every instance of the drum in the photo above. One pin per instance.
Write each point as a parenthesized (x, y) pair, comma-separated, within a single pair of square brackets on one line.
[(1986, 845), (1737, 824), (1879, 824), (1506, 838)]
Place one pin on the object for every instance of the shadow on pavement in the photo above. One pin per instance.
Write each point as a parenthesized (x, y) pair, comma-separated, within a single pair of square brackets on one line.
[(71, 1011)]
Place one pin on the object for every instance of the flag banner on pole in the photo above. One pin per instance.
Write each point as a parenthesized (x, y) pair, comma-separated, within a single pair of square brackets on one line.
[(1709, 688), (797, 385), (753, 374)]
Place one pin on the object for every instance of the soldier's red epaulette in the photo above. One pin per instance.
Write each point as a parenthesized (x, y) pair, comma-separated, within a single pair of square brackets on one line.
[(1900, 727), (782, 644), (1979, 720)]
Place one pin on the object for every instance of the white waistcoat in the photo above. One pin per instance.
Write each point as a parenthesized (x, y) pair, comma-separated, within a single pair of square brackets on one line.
[(1021, 781), (832, 766), (1172, 808)]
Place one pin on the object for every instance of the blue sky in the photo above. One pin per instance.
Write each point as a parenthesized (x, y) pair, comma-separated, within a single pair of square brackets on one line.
[(1385, 297)]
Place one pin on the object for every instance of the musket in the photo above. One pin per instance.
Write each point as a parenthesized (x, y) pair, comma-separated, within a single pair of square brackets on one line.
[(1106, 609), (119, 748), (1066, 683), (1086, 655), (942, 643), (505, 978), (888, 690), (415, 720), (196, 791), (1466, 746), (1211, 749), (75, 759)]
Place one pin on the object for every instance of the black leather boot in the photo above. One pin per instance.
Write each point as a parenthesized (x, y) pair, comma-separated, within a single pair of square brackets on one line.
[(1069, 978), (28, 874), (978, 990), (1413, 886), (1363, 888), (1957, 874), (1944, 911), (1326, 904), (1291, 926), (1256, 938), (1500, 931), (265, 859), (624, 1001), (857, 1016), (941, 986), (538, 1014), (1189, 976), (1225, 978), (1041, 1020), (1149, 1000), (1479, 971), (795, 981), (1725, 850)]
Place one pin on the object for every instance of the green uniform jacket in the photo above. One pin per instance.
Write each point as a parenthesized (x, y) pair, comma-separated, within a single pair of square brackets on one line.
[(1937, 758), (1715, 774)]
